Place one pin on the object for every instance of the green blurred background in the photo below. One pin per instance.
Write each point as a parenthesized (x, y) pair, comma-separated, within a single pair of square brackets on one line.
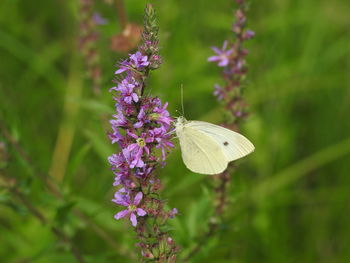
[(290, 199)]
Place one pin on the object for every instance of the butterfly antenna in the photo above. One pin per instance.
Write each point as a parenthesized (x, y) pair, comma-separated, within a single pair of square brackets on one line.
[(182, 100)]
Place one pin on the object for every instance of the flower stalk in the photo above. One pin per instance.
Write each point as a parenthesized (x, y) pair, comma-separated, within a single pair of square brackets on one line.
[(88, 42), (141, 129), (231, 58)]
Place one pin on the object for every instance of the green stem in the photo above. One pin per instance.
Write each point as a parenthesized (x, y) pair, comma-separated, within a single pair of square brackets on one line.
[(68, 124)]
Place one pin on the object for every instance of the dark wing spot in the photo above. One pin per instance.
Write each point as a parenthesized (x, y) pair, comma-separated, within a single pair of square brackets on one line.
[(225, 143)]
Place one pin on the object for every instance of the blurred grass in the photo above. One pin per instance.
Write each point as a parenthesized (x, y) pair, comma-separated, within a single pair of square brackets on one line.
[(290, 199)]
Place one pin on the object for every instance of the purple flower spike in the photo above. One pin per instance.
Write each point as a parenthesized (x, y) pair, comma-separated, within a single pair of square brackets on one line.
[(223, 55), (132, 208), (142, 128)]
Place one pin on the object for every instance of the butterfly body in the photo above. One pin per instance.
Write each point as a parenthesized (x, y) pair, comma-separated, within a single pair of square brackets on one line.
[(207, 148)]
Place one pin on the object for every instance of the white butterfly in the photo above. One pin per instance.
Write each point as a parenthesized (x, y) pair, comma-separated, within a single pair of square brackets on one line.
[(207, 148)]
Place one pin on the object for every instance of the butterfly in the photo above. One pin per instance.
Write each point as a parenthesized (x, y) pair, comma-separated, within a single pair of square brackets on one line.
[(207, 148)]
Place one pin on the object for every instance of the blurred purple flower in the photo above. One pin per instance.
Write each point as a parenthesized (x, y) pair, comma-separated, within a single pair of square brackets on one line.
[(218, 92), (98, 19), (248, 34), (223, 55), (173, 212)]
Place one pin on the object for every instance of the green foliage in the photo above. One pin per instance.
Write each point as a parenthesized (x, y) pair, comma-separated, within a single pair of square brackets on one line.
[(289, 200)]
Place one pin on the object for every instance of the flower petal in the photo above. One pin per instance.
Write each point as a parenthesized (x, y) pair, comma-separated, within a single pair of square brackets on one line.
[(121, 214), (223, 62), (216, 50), (141, 212), (137, 163), (135, 97), (224, 46), (138, 124), (213, 58), (133, 219), (121, 70), (138, 198)]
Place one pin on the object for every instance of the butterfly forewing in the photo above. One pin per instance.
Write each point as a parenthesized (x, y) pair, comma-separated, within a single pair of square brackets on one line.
[(232, 144), (200, 153)]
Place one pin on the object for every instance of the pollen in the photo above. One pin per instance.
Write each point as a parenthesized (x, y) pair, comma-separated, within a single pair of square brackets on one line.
[(132, 207), (141, 142)]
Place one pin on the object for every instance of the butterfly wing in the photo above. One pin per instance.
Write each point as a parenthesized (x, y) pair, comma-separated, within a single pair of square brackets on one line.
[(200, 153), (232, 144)]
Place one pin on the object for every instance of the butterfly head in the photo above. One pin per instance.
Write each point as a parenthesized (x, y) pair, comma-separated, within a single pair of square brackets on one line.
[(180, 122)]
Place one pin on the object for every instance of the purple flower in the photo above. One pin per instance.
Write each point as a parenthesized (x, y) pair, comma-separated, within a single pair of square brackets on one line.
[(138, 61), (144, 171), (120, 120), (123, 66), (223, 55), (117, 179), (173, 212), (142, 119), (115, 136), (123, 178), (124, 200), (126, 88), (116, 160), (98, 19), (161, 137), (219, 92), (248, 34), (134, 152), (161, 115), (132, 159)]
